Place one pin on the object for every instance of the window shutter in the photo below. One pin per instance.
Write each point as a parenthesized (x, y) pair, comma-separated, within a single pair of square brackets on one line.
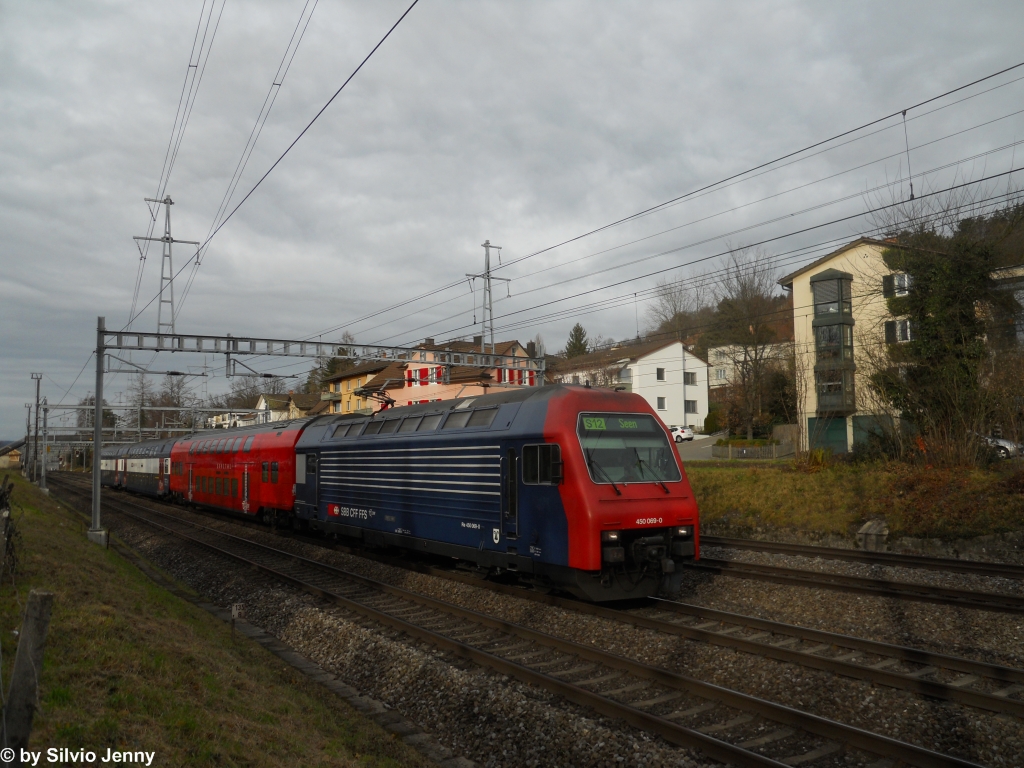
[(890, 331), (889, 286)]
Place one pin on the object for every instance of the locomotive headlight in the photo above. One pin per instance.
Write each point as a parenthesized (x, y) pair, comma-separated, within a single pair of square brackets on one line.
[(609, 536), (681, 532)]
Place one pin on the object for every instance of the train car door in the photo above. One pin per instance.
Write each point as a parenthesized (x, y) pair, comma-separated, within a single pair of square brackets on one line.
[(510, 493), (245, 487), (191, 483)]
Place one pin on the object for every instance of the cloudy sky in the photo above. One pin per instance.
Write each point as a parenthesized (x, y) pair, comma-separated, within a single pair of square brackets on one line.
[(525, 123)]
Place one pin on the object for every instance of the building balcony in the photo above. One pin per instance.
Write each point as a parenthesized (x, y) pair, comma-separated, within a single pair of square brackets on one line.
[(330, 395)]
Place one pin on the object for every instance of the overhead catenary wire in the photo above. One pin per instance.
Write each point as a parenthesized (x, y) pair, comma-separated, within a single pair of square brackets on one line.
[(908, 108), (720, 236), (765, 241), (190, 88), (727, 181), (586, 309), (302, 133), (298, 33)]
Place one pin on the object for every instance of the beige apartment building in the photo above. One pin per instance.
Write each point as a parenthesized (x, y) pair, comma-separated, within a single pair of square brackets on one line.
[(841, 325)]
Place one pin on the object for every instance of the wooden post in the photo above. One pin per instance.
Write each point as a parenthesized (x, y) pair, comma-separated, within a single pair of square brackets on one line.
[(23, 695)]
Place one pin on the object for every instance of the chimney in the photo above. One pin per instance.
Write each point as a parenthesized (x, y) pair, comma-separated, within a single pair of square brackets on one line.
[(429, 342), (478, 340), (531, 349)]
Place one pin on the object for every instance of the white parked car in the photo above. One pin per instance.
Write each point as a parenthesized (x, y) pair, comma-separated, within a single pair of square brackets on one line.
[(679, 434), (1003, 449)]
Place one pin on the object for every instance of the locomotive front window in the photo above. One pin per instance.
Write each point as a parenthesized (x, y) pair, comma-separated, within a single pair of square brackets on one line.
[(626, 448)]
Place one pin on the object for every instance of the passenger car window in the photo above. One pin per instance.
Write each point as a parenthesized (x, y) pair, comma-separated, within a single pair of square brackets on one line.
[(248, 443), (389, 426), (373, 427), (266, 471)]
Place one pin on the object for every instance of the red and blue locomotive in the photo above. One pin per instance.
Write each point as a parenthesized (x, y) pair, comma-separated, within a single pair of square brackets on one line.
[(567, 486)]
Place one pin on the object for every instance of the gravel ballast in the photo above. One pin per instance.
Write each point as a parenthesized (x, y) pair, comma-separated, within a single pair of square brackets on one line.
[(496, 721)]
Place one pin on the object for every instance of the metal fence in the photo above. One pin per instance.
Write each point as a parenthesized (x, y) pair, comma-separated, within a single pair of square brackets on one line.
[(752, 452)]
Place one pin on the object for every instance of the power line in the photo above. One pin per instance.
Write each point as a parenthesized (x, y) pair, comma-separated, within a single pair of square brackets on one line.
[(296, 140), (700, 190), (190, 86), (765, 241), (565, 281), (268, 104), (621, 300)]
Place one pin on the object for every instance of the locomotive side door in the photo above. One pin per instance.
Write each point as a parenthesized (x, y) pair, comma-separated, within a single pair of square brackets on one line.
[(312, 478), (510, 493)]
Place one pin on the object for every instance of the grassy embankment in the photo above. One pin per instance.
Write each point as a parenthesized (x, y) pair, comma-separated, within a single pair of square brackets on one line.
[(742, 498), (130, 666)]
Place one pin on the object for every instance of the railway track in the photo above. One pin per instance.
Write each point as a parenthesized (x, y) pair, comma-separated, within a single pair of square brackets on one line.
[(724, 724), (952, 565), (991, 687), (903, 590)]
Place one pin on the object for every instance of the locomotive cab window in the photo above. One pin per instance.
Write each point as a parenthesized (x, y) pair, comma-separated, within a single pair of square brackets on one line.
[(542, 464), (626, 448)]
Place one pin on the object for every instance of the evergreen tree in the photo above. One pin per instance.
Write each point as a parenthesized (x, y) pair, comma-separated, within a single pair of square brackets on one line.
[(957, 316), (577, 342)]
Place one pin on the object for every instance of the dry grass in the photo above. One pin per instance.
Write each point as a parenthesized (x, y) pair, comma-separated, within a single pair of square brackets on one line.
[(837, 499), (130, 666)]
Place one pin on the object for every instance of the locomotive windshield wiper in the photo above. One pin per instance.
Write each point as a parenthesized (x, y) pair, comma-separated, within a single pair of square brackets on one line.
[(592, 464), (640, 463)]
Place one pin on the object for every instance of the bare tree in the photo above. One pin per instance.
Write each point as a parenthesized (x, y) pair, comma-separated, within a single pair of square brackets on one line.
[(749, 318), (677, 303)]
